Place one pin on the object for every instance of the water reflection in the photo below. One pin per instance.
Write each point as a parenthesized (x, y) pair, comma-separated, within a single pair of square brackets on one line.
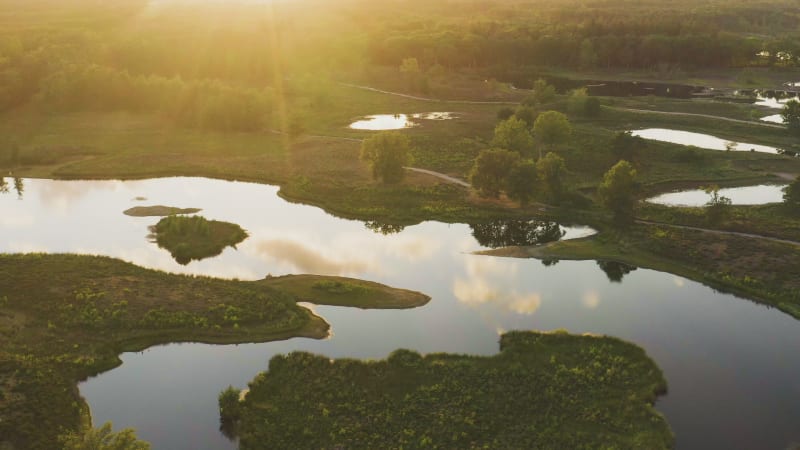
[(18, 185), (746, 195), (718, 397), (384, 228), (509, 233), (615, 271), (702, 140), (775, 118), (397, 121)]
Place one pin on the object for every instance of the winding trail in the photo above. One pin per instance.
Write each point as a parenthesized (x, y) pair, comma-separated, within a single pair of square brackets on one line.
[(440, 175), (722, 232), (705, 116), (615, 108), (428, 99)]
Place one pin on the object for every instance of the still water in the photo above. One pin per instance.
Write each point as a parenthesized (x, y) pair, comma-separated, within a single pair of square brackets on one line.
[(701, 140), (746, 195), (397, 121), (731, 365)]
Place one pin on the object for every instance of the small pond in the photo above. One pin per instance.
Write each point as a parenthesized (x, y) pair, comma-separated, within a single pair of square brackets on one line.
[(747, 195), (397, 121), (701, 140), (775, 118), (731, 364)]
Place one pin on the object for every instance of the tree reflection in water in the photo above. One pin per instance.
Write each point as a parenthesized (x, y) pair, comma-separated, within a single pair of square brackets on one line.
[(506, 233), (615, 271)]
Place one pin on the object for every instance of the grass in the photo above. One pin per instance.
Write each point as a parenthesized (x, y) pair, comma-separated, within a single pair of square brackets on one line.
[(190, 238), (64, 318), (543, 390)]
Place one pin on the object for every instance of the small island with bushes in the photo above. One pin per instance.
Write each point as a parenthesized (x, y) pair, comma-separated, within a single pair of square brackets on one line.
[(543, 390), (191, 238)]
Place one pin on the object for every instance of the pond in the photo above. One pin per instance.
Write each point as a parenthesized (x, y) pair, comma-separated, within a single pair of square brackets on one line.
[(746, 195), (731, 364), (701, 140), (775, 118), (397, 121)]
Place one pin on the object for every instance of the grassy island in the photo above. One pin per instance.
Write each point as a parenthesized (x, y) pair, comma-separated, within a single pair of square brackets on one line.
[(158, 210), (64, 318), (543, 390), (190, 238)]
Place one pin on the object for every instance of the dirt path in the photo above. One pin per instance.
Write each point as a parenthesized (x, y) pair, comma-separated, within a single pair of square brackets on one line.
[(447, 178), (428, 99), (730, 233), (706, 116)]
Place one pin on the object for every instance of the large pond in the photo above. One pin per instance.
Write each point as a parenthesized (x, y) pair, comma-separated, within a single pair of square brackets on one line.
[(746, 195), (731, 364), (701, 140)]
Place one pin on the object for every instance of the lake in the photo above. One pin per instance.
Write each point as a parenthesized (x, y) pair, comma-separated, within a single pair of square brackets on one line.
[(745, 195), (731, 364)]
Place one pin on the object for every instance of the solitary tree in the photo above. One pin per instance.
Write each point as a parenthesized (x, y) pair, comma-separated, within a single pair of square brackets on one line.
[(791, 196), (102, 438), (513, 134), (618, 191), (521, 181), (551, 170), (791, 116), (551, 128), (718, 207), (387, 153), (491, 169), (229, 405)]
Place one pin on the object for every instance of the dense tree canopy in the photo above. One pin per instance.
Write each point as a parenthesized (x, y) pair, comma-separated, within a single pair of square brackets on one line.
[(551, 128), (491, 170), (618, 190), (387, 153), (513, 134)]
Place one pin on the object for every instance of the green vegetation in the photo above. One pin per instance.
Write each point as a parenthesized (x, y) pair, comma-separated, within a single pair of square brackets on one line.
[(618, 191), (541, 391), (491, 170), (791, 195), (64, 318), (102, 438), (551, 129), (388, 154), (190, 238), (513, 135), (158, 210), (718, 207), (791, 116)]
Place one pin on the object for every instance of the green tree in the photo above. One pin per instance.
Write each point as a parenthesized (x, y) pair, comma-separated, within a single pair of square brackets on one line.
[(513, 134), (551, 170), (102, 438), (491, 170), (521, 181), (551, 128), (229, 405), (505, 113), (791, 196), (718, 207), (791, 116), (626, 146), (387, 153), (542, 93), (526, 114), (617, 192)]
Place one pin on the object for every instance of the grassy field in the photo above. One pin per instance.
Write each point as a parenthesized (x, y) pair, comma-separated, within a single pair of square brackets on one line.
[(541, 391), (64, 318)]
